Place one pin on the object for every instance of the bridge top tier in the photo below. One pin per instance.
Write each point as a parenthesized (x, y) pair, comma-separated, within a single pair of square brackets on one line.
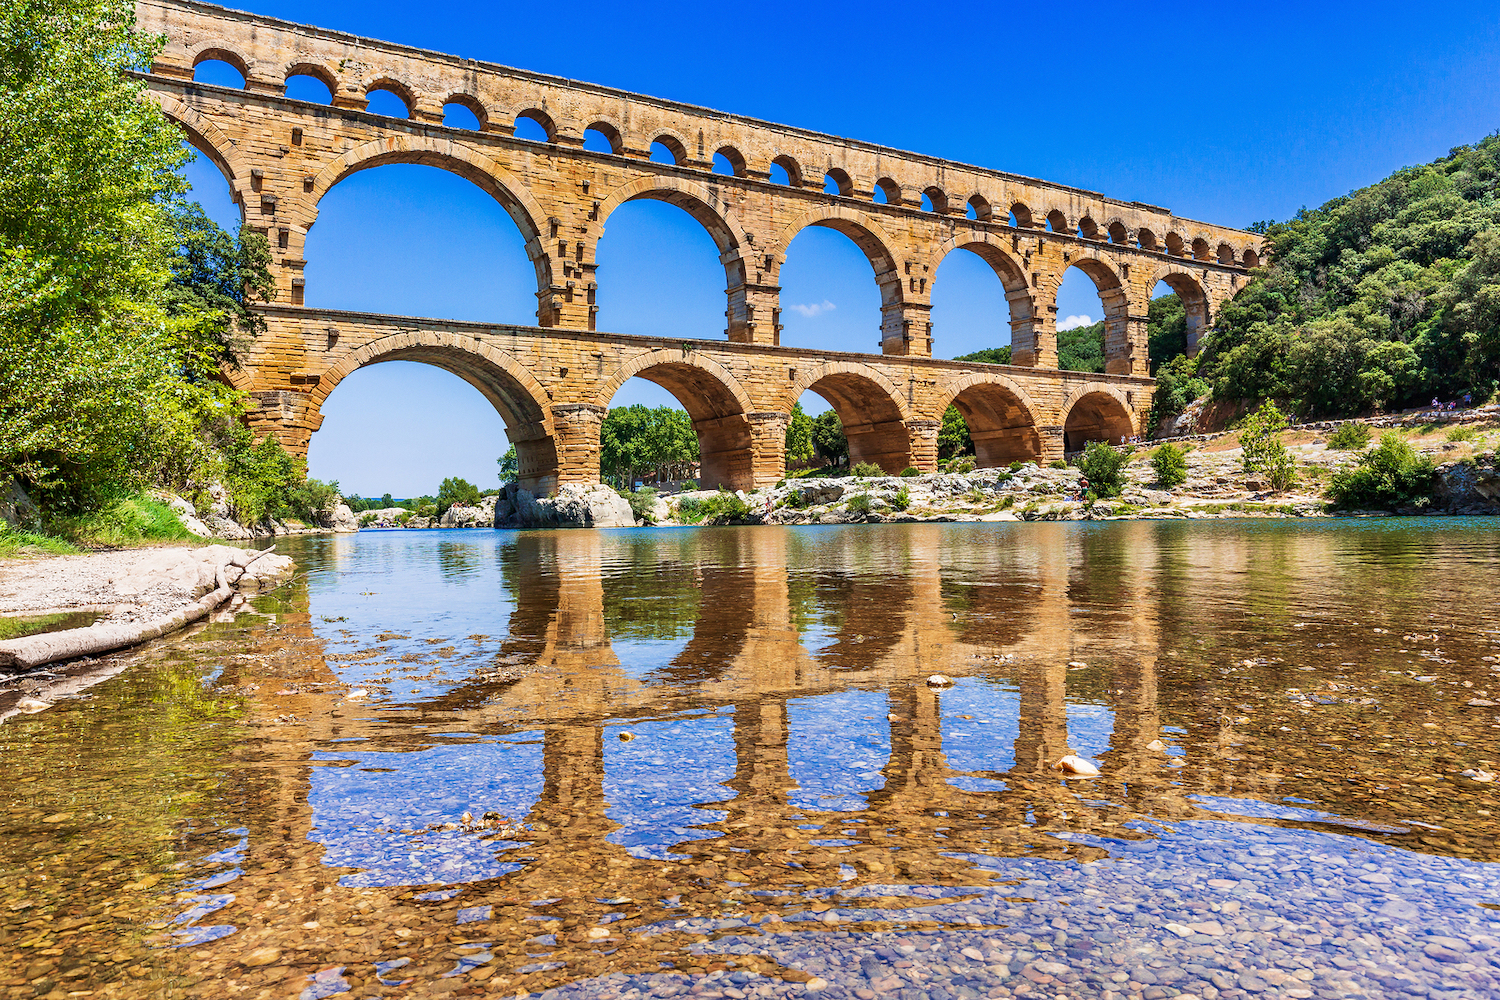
[(267, 51)]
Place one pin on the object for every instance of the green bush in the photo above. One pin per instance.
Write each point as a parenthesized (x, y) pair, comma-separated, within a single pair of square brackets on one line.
[(902, 499), (1104, 468), (642, 503), (15, 543), (690, 509), (797, 500), (1352, 436), (866, 470), (725, 508), (1461, 433), (1057, 463), (1016, 466), (1169, 462), (1390, 475), (910, 470), (1262, 450), (860, 504), (126, 521)]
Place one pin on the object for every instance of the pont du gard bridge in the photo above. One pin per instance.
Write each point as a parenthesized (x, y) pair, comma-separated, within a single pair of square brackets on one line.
[(552, 382)]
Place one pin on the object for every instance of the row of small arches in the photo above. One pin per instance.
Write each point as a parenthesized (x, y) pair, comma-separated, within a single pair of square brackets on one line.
[(390, 98)]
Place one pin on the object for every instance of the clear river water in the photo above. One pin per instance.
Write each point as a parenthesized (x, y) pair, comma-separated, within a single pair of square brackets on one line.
[(709, 763)]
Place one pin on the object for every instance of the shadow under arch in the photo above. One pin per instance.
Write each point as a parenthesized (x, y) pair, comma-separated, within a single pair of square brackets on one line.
[(873, 410), (1194, 301), (715, 401), (987, 247), (509, 387), (1096, 412), (456, 158), (710, 211), (1000, 415)]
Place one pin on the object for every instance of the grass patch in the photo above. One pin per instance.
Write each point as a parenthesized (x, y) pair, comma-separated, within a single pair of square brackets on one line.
[(21, 544), (133, 520)]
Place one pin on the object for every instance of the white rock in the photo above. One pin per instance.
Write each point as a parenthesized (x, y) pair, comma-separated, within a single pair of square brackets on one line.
[(1075, 765), (358, 694), (939, 681), (31, 705)]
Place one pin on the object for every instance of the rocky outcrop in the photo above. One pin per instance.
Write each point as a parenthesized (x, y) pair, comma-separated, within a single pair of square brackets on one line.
[(16, 508), (591, 506), (480, 515), (1471, 486)]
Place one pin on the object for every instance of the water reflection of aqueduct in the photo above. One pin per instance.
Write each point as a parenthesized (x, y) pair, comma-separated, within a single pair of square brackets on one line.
[(909, 605), (551, 383)]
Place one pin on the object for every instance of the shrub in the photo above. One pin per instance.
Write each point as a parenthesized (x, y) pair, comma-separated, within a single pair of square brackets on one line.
[(690, 509), (866, 470), (1391, 474), (1170, 465), (961, 465), (911, 470), (1057, 463), (127, 520), (1462, 434), (725, 507), (1263, 450), (797, 500), (902, 499), (1016, 466), (860, 504), (1104, 468), (642, 503), (1352, 436)]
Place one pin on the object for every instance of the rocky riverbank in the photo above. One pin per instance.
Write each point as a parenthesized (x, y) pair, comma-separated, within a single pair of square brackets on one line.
[(133, 596)]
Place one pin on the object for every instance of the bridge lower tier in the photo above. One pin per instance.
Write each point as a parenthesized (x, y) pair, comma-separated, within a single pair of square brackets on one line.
[(553, 387)]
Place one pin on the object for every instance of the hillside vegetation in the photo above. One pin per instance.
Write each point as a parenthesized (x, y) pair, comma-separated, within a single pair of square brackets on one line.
[(1385, 298)]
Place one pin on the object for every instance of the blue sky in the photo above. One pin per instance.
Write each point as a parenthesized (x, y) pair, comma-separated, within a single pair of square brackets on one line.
[(1228, 113)]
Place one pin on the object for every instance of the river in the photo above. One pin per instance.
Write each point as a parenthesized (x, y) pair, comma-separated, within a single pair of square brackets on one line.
[(709, 763)]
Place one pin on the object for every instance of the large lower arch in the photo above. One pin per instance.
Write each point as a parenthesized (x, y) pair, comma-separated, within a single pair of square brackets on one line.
[(897, 332), (1096, 411), (714, 214), (1001, 418), (1194, 301), (715, 401), (510, 388), (873, 410), (457, 158), (987, 246)]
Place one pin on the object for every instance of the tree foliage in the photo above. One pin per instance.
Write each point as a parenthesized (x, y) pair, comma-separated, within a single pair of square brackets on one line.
[(799, 438), (988, 356), (1391, 474), (953, 435), (1386, 297), (454, 490), (1104, 467), (828, 437), (638, 442), (1081, 349)]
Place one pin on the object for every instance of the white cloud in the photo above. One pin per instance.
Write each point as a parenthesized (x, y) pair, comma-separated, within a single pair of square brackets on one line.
[(1074, 322), (808, 311)]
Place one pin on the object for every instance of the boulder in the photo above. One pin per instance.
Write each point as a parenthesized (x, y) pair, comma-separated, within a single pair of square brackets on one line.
[(187, 514), (343, 519), (1470, 484), (480, 515), (572, 506), (16, 507)]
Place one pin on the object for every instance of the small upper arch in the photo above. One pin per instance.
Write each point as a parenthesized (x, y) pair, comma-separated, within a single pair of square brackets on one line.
[(1089, 229), (1118, 234), (1226, 254), (1057, 222), (394, 87), (886, 192), (979, 208), (316, 71), (1146, 239), (729, 162), (218, 51), (471, 103), (1174, 245), (672, 143), (791, 167), (1251, 258), (935, 199), (837, 181), (1201, 249), (609, 135), (542, 119), (1020, 216)]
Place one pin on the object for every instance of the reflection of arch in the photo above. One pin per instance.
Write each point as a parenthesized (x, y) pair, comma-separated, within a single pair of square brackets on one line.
[(1096, 411), (208, 139), (872, 409), (715, 400), (1000, 415), (511, 389), (1194, 301), (866, 234), (457, 158)]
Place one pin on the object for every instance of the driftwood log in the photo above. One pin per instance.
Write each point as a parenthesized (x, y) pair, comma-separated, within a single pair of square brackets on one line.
[(33, 651)]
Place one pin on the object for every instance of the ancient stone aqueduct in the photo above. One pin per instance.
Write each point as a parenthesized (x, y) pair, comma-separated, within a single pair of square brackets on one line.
[(552, 383)]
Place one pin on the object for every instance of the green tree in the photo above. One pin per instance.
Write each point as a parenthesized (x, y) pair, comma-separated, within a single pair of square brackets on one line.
[(386, 501), (637, 441), (988, 356), (1389, 475), (510, 466), (799, 438), (828, 437), (1104, 467), (1081, 349), (1262, 450), (1169, 462), (1166, 330), (456, 491), (953, 436)]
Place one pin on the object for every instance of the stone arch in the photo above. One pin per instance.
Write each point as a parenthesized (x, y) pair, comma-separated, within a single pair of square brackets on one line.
[(218, 48), (610, 129), (391, 85), (1001, 417), (1117, 231), (842, 182), (1251, 258), (866, 234), (792, 167), (541, 117), (1089, 229), (735, 157), (1116, 301), (937, 198), (210, 140), (674, 144), (318, 71), (873, 410), (1022, 215), (983, 210), (1058, 220), (1096, 411), (467, 100), (455, 157), (1195, 302), (714, 399), (521, 401), (890, 189), (992, 250)]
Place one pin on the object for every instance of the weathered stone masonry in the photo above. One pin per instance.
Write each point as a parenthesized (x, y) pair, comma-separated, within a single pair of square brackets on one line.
[(553, 382)]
